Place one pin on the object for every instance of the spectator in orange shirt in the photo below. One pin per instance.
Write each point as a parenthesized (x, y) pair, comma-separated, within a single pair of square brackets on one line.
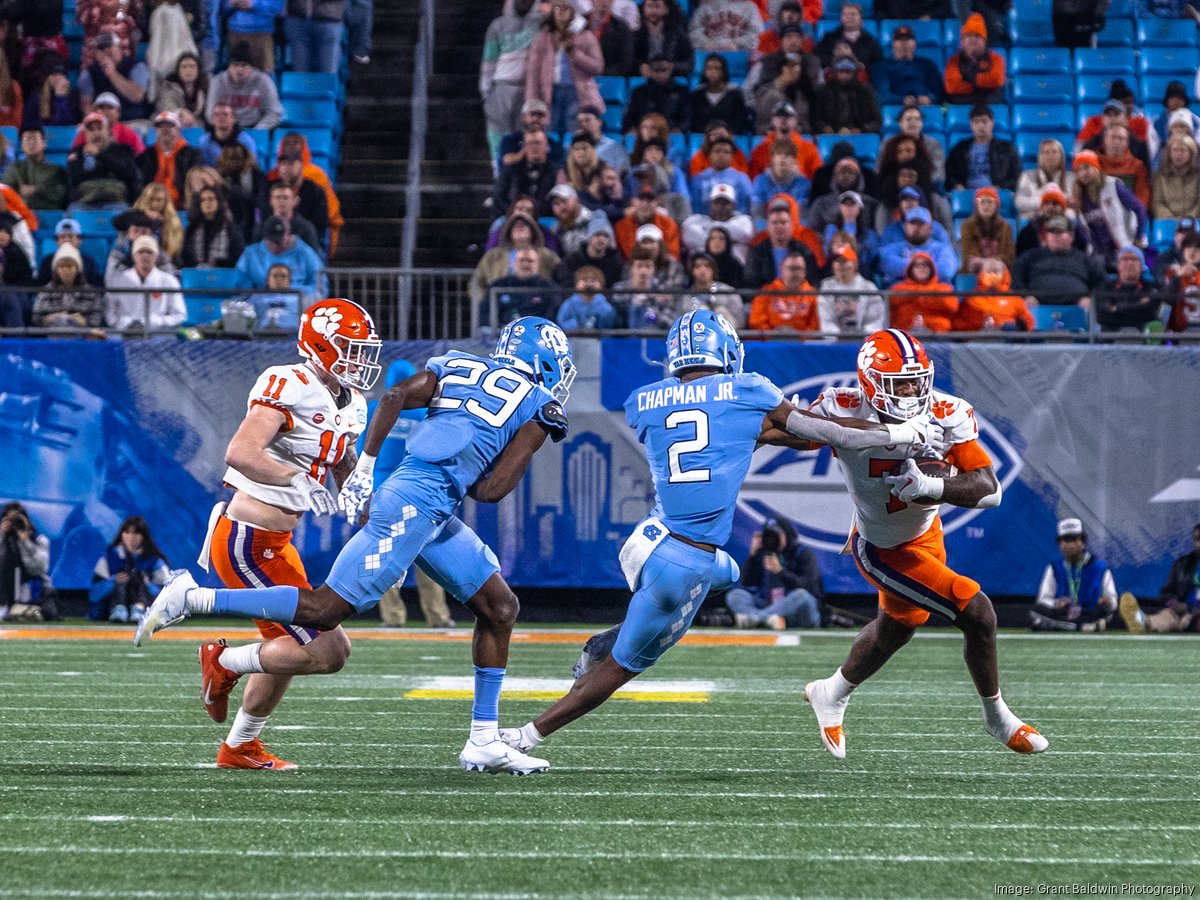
[(783, 125), (789, 13), (644, 211), (974, 74), (921, 302), (992, 306), (714, 130), (1116, 160), (795, 310), (1118, 108)]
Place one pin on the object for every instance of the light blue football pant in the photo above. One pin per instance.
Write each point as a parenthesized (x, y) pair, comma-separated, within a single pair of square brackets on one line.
[(674, 582)]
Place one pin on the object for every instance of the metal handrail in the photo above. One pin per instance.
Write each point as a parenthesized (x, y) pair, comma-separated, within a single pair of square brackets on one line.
[(422, 69)]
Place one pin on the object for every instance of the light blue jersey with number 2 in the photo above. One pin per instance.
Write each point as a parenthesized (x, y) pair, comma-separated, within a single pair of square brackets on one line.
[(699, 438)]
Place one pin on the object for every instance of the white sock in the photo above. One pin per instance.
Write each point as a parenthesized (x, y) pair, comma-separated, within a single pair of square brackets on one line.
[(200, 600), (839, 687), (245, 728), (484, 732), (998, 717), (530, 736), (242, 659)]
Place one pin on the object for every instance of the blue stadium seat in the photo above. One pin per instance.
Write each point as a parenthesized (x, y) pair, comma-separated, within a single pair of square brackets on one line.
[(1154, 86), (928, 33), (310, 86), (1092, 90), (612, 90), (1162, 233), (612, 117), (958, 118), (1008, 207), (1042, 88), (310, 114), (962, 203), (738, 62), (1027, 147), (48, 218), (59, 137), (866, 146), (262, 143), (1156, 32), (1043, 118), (1117, 33), (1180, 61), (192, 135), (966, 282), (1107, 61), (1040, 60), (206, 307), (1122, 8), (933, 116), (547, 222), (1037, 11), (95, 222), (97, 248), (745, 143), (1060, 318)]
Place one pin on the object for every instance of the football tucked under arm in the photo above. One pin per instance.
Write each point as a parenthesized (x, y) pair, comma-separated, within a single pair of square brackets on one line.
[(930, 480)]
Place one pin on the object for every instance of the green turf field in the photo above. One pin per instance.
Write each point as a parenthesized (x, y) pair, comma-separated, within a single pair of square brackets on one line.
[(105, 792)]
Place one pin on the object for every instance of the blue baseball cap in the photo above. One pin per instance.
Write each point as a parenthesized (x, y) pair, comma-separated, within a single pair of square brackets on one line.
[(918, 214)]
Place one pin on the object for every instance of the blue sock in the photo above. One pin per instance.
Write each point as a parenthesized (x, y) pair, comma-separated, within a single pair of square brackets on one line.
[(275, 604), (488, 682)]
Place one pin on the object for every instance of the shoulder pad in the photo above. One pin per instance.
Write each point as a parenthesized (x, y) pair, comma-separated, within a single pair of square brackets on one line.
[(553, 418)]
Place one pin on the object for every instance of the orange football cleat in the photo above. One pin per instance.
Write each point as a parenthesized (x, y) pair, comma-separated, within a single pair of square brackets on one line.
[(251, 755), (1027, 739), (216, 681)]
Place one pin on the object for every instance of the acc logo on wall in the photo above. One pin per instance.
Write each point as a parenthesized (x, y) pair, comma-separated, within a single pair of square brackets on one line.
[(809, 490)]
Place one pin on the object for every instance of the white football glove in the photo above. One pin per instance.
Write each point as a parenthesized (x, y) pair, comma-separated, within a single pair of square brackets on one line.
[(923, 433), (910, 483), (316, 496), (356, 493)]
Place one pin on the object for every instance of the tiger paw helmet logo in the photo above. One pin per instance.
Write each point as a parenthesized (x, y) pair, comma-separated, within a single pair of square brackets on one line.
[(325, 321), (866, 354), (808, 488)]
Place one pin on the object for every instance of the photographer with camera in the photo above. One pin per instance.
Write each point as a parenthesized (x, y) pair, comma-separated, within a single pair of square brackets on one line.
[(128, 576), (780, 583), (24, 565)]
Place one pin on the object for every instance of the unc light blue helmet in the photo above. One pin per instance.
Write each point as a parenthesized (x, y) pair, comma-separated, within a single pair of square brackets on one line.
[(703, 338), (538, 348)]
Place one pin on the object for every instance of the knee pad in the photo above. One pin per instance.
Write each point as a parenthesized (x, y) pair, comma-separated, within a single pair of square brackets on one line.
[(725, 571)]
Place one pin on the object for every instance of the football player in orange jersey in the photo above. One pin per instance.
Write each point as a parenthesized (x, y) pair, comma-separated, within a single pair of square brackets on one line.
[(302, 420), (897, 535)]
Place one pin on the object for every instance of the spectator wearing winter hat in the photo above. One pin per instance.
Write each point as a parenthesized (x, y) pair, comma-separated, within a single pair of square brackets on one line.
[(1130, 299), (156, 303), (922, 301), (170, 158), (109, 106), (599, 250), (845, 105), (1179, 125), (68, 300), (69, 233), (850, 29), (847, 176), (983, 160), (1177, 181), (1175, 101), (1052, 204), (247, 88), (722, 210), (905, 77), (721, 171), (1051, 168), (1114, 217), (1172, 254), (985, 233), (974, 74)]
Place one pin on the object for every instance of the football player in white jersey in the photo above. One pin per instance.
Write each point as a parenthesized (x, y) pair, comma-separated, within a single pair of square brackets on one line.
[(897, 535), (302, 421)]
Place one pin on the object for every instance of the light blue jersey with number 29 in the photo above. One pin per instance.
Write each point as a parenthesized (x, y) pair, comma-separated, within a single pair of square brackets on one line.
[(699, 439), (478, 407)]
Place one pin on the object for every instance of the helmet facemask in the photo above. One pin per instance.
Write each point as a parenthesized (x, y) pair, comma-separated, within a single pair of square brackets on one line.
[(893, 393), (357, 365)]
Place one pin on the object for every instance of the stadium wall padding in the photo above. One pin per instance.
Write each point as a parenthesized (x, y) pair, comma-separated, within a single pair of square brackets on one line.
[(103, 429)]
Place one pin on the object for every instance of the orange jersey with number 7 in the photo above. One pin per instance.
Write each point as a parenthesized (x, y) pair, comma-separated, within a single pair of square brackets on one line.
[(880, 517), (316, 433)]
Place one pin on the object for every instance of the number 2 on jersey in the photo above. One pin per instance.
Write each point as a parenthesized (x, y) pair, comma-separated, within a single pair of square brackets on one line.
[(510, 394), (698, 418), (879, 468)]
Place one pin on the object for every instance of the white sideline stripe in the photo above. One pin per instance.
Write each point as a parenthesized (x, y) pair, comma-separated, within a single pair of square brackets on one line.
[(541, 822), (666, 856), (626, 794), (655, 748)]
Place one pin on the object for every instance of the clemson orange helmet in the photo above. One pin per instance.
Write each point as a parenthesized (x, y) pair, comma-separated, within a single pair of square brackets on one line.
[(339, 337), (889, 360)]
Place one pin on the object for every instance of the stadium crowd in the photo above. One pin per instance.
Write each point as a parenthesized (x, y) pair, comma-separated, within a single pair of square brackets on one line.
[(822, 170), (147, 149)]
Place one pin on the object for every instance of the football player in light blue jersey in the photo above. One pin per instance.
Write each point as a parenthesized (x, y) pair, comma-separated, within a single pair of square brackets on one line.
[(699, 427), (487, 417)]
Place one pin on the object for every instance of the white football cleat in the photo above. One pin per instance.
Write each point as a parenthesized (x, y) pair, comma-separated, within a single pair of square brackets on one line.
[(1019, 737), (829, 716), (512, 737), (169, 607), (498, 758)]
